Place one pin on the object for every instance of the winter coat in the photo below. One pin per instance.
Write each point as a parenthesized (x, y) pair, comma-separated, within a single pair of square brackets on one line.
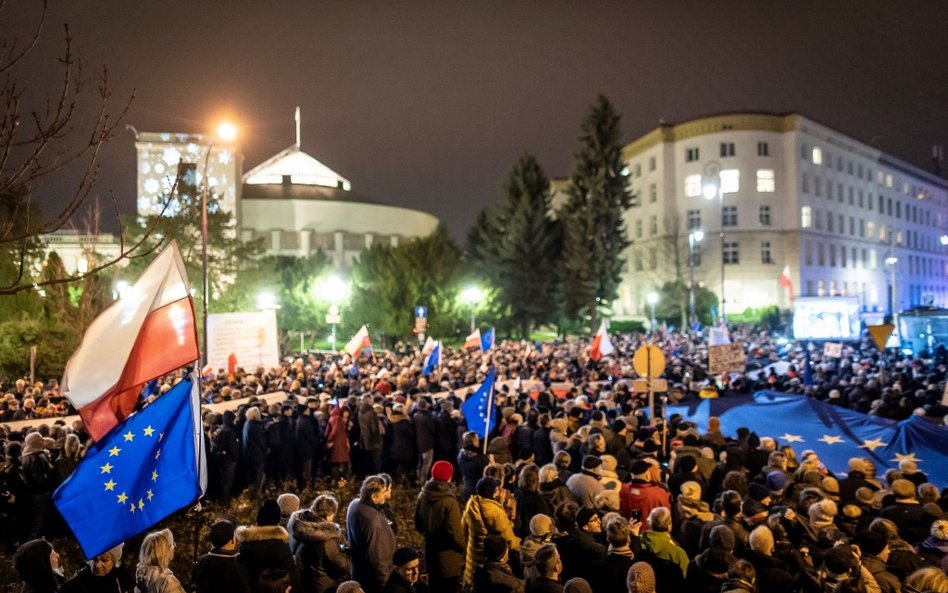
[(483, 517), (226, 445), (119, 580), (555, 493), (528, 552), (318, 552), (615, 570), (446, 431), (219, 571), (438, 519), (403, 439), (582, 555), (708, 571), (585, 487), (642, 495), (424, 431), (371, 545), (934, 550), (471, 463), (772, 573), (38, 472), (307, 437), (911, 519), (494, 577), (542, 446), (151, 579), (887, 581), (660, 545), (544, 585), (337, 437), (255, 442), (263, 547), (370, 429), (528, 505)]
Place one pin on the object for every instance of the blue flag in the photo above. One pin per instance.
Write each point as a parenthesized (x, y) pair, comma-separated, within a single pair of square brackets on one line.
[(835, 433), (143, 470), (433, 360), (479, 409), (487, 340)]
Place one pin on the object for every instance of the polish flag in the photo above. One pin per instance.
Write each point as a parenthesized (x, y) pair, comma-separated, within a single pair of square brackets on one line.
[(602, 345), (786, 282), (473, 340), (147, 333), (359, 341)]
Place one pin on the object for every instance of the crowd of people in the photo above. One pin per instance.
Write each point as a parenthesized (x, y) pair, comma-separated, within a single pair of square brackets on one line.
[(575, 489)]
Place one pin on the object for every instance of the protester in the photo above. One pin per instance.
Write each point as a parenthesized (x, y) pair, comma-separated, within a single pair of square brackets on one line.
[(316, 543), (438, 519), (38, 566), (371, 541), (152, 574), (219, 571)]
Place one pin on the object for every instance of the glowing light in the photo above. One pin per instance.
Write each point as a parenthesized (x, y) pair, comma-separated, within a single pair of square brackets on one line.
[(651, 298), (698, 236), (266, 301), (710, 192), (332, 289), (227, 131), (472, 295)]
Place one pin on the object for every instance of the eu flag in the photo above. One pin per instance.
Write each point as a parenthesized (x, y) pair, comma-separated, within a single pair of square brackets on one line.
[(487, 340), (433, 360), (479, 409), (143, 470)]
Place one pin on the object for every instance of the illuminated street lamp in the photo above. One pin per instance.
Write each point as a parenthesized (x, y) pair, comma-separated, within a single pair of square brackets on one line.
[(473, 296), (694, 238), (891, 261), (652, 299), (267, 301), (334, 290)]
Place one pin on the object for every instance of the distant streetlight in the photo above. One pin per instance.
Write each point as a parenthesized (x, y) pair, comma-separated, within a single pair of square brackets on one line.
[(334, 290), (267, 301), (944, 239), (891, 261), (694, 238), (652, 299), (227, 131), (473, 296)]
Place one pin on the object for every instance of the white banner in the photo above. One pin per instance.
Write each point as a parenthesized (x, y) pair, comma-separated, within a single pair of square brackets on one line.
[(251, 337)]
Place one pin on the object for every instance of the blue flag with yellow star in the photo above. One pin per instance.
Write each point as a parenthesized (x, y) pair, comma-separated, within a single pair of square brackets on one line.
[(143, 470), (479, 409)]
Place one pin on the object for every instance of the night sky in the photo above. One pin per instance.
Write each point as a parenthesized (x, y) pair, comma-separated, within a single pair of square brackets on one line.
[(428, 104)]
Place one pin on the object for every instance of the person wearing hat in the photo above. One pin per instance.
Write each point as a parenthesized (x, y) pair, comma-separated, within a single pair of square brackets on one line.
[(484, 516), (854, 480), (495, 574), (265, 545), (38, 566), (401, 448), (438, 520), (708, 570), (906, 512), (105, 572), (225, 450), (218, 571), (638, 497), (585, 486), (406, 570), (641, 578), (874, 550), (541, 533)]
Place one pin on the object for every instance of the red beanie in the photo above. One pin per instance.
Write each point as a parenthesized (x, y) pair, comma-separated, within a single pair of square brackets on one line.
[(442, 470)]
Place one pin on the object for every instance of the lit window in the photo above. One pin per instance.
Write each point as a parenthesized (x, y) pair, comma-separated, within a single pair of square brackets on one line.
[(882, 233), (693, 186), (888, 181), (817, 156), (765, 180), (806, 217), (730, 181), (873, 259), (821, 288), (870, 229)]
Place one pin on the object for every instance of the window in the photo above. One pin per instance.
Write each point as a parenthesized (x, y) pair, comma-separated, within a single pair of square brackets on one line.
[(731, 252), (832, 254), (763, 149), (817, 156), (691, 155), (808, 253), (862, 228), (638, 169), (839, 192), (638, 229), (764, 215), (651, 163), (693, 186), (652, 193), (820, 255), (829, 221), (805, 183), (730, 181), (652, 259), (821, 288), (842, 256), (873, 261), (696, 256), (727, 149), (638, 261), (852, 226), (694, 219), (829, 190), (729, 216), (806, 217), (817, 185), (653, 225), (765, 257), (881, 233), (871, 229), (765, 180), (818, 220)]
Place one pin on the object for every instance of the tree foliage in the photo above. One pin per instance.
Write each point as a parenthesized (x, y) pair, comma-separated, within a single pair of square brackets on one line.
[(674, 304), (594, 234), (388, 282), (516, 246)]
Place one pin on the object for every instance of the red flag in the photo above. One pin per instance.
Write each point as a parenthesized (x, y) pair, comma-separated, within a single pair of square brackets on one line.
[(232, 364)]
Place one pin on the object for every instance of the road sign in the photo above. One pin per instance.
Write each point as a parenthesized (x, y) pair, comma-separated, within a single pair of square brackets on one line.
[(649, 362), (657, 385), (880, 334), (421, 312)]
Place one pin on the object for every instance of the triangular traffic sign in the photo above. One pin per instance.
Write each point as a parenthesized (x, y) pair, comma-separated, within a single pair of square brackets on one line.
[(880, 334)]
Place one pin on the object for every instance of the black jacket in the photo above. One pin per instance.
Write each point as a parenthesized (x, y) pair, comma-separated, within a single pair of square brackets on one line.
[(438, 519), (424, 431), (119, 580), (472, 463), (318, 552), (403, 439), (219, 571), (307, 437), (263, 547), (226, 445), (772, 573), (446, 429), (582, 555), (543, 446), (255, 442), (494, 577)]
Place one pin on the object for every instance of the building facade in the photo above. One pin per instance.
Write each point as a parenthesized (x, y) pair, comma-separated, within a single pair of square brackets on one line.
[(775, 192)]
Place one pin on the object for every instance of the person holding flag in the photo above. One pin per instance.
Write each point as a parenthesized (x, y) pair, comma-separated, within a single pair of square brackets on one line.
[(358, 342), (480, 410), (473, 340)]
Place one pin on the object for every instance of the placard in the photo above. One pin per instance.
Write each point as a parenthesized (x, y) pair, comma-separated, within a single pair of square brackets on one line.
[(252, 337), (833, 350), (726, 358)]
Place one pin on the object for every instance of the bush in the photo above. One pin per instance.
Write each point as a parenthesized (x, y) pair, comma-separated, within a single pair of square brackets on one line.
[(626, 327), (54, 345)]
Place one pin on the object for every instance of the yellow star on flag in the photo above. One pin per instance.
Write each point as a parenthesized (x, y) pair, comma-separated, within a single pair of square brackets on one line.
[(873, 444), (830, 440), (132, 508), (110, 485), (122, 498), (141, 504), (129, 436), (107, 468), (154, 476), (114, 451), (150, 495), (149, 431)]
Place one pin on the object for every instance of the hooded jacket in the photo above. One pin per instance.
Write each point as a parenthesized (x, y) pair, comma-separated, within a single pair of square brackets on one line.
[(33, 566), (438, 519), (262, 547), (337, 437), (318, 552)]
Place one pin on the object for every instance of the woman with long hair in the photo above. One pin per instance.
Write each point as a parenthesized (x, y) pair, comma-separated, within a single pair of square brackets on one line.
[(152, 574)]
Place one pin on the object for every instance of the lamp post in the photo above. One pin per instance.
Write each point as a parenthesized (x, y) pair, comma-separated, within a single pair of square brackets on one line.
[(334, 290), (228, 133), (694, 238), (652, 299), (472, 295)]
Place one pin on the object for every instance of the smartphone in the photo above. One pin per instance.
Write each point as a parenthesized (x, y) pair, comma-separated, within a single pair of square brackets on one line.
[(637, 514)]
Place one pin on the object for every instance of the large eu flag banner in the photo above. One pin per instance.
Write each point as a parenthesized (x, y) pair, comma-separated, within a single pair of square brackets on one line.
[(139, 473), (835, 433)]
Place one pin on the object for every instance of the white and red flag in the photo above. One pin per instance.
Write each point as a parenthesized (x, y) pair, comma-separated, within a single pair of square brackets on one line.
[(358, 342), (786, 282), (473, 340), (601, 345), (150, 331)]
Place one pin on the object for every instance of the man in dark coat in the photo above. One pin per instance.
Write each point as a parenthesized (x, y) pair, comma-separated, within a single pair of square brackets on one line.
[(226, 449), (264, 546), (371, 540), (438, 519), (308, 444), (471, 462), (446, 429), (255, 449), (402, 453), (281, 437), (316, 543), (424, 438), (495, 575), (371, 434), (582, 555), (39, 478), (406, 570), (218, 571), (38, 567), (542, 445)]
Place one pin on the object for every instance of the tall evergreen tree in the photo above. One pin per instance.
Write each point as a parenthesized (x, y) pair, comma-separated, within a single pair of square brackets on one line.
[(594, 234)]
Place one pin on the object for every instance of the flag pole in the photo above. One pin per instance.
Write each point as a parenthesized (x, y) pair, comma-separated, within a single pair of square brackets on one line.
[(490, 406)]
